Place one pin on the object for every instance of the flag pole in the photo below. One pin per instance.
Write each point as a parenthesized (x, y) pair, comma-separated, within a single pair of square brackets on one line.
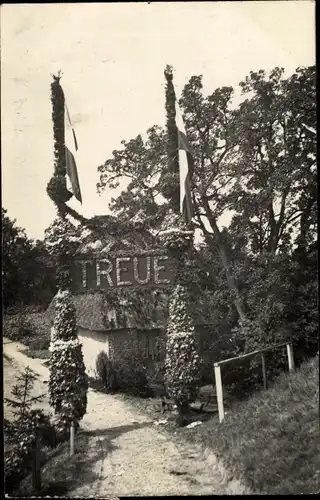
[(57, 186), (64, 341), (172, 177), (182, 360)]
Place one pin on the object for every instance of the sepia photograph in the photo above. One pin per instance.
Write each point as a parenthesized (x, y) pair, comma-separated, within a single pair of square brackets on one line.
[(159, 249)]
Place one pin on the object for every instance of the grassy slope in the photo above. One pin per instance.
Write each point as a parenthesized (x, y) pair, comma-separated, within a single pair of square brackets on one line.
[(271, 442)]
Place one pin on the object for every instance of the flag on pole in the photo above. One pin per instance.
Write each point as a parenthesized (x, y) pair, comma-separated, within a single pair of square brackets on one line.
[(310, 129), (185, 168), (71, 147)]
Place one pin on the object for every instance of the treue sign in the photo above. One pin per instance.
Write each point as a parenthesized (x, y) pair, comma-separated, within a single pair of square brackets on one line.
[(122, 271)]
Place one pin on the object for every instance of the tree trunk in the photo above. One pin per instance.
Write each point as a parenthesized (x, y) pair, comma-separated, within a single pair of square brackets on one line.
[(225, 262), (276, 228), (305, 223)]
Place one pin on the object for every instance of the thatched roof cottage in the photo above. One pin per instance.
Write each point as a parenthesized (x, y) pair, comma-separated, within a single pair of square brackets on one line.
[(116, 320), (118, 325)]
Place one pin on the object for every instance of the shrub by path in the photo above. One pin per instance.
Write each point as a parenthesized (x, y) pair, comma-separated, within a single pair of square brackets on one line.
[(130, 455)]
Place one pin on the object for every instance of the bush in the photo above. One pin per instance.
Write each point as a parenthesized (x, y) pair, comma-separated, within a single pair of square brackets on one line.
[(37, 354), (20, 433), (243, 377), (96, 384), (103, 367), (17, 328), (17, 463), (39, 343), (60, 473), (156, 371), (40, 324), (33, 330), (155, 379)]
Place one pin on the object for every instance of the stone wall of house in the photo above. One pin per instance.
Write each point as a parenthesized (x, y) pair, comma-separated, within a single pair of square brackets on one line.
[(124, 352), (121, 345), (142, 345), (92, 343), (129, 349)]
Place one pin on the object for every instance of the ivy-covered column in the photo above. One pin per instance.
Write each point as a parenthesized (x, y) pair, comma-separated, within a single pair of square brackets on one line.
[(68, 383), (57, 186), (182, 362)]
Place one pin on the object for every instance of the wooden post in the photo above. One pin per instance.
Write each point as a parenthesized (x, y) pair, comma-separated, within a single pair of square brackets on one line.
[(217, 374), (36, 470), (290, 357), (264, 371), (72, 439)]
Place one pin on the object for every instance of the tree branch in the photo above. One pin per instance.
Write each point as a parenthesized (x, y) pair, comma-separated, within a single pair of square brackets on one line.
[(225, 260)]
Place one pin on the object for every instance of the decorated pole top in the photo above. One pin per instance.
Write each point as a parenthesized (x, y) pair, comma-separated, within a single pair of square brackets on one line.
[(57, 186)]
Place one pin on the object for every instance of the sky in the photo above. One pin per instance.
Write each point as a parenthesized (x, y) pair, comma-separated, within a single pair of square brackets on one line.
[(113, 56)]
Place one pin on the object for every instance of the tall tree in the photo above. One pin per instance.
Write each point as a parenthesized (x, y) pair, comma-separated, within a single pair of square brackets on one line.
[(255, 163), (274, 191), (15, 249), (27, 269)]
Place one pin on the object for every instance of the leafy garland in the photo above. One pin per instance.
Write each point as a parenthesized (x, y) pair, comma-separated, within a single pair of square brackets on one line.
[(177, 237), (68, 384), (57, 186), (170, 178), (182, 362)]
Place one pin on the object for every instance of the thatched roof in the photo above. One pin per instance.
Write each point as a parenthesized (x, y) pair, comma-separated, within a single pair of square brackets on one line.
[(143, 309), (106, 312)]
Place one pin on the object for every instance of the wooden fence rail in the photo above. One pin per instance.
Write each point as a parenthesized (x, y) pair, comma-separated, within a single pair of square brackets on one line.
[(72, 439), (217, 370)]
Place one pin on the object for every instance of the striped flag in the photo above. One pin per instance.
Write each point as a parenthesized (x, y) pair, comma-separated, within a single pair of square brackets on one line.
[(185, 168), (71, 147)]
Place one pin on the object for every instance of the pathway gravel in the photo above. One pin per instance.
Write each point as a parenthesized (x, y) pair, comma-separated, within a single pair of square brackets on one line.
[(130, 456)]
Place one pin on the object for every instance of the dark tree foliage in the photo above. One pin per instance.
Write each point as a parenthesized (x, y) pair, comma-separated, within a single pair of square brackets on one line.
[(256, 164), (28, 270)]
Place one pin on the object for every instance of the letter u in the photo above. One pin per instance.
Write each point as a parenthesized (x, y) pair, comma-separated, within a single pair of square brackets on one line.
[(136, 271)]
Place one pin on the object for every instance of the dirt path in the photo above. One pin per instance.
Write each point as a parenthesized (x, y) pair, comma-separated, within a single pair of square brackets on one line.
[(14, 361), (130, 455), (138, 459)]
